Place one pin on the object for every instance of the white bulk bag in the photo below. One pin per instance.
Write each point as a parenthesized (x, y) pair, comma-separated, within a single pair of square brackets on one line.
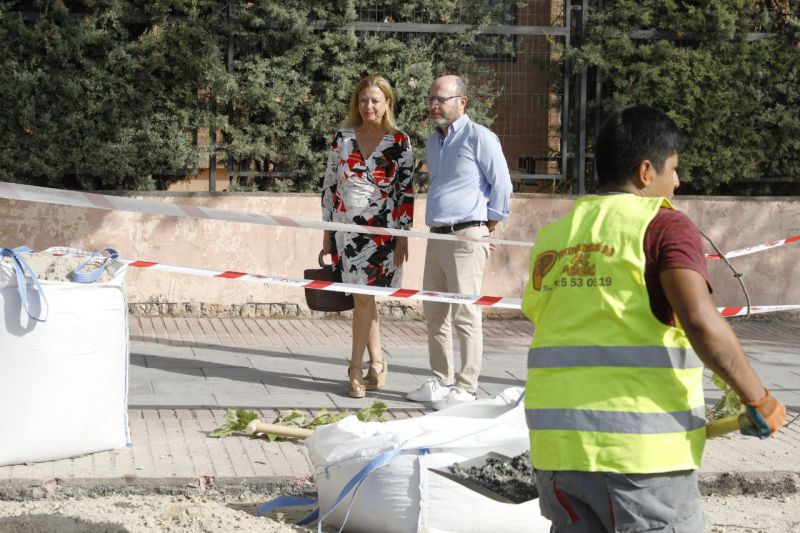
[(63, 381), (401, 494)]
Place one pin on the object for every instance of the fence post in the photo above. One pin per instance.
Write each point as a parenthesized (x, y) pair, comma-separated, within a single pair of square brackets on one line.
[(565, 96), (212, 147), (580, 166), (229, 64)]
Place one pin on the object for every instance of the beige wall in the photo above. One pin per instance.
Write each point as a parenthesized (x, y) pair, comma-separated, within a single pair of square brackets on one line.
[(731, 222)]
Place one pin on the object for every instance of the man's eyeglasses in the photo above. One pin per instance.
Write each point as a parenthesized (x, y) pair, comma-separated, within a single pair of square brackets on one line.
[(439, 99)]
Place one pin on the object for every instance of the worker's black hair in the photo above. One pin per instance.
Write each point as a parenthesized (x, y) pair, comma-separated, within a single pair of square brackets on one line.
[(631, 136)]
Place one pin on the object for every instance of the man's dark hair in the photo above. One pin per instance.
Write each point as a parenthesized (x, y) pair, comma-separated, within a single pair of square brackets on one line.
[(631, 136)]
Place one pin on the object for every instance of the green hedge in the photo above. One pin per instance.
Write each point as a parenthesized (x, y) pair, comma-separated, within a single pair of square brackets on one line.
[(737, 99), (105, 94)]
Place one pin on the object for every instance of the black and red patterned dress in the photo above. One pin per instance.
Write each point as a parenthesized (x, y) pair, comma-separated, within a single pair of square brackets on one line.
[(377, 191)]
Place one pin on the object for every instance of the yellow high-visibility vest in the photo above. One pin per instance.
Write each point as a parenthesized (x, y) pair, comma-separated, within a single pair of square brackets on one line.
[(610, 388)]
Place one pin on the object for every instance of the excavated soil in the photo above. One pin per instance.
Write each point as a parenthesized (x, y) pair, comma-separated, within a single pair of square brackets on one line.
[(133, 514), (732, 504), (752, 514)]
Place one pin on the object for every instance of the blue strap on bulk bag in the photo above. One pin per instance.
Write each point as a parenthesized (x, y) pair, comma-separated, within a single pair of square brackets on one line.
[(90, 277), (353, 485), (291, 501), (519, 400), (24, 272)]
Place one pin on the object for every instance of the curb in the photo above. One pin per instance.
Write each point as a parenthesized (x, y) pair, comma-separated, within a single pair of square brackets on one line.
[(763, 484), (268, 487)]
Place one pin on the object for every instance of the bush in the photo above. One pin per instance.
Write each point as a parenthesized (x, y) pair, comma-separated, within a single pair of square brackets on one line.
[(737, 100)]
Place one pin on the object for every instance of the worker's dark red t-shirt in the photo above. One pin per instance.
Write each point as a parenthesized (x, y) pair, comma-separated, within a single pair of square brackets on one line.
[(670, 241)]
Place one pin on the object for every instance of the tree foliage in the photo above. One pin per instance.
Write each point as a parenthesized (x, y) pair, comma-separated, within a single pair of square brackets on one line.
[(97, 101), (291, 84), (737, 99), (105, 94)]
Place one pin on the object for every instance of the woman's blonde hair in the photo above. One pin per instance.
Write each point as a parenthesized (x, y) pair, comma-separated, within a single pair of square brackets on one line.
[(354, 120)]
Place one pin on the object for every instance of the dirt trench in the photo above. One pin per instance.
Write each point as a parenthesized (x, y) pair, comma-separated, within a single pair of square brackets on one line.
[(732, 504)]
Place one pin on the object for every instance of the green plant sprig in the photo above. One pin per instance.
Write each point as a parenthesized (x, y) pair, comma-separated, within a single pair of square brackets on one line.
[(236, 420)]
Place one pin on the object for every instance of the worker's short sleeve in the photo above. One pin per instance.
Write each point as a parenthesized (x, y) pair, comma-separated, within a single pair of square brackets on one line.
[(671, 241)]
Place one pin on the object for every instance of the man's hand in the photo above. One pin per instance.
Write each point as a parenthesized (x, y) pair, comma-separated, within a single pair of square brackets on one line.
[(400, 251), (767, 415), (492, 224)]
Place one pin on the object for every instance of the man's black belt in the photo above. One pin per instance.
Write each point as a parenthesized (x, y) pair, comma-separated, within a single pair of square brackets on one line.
[(457, 227)]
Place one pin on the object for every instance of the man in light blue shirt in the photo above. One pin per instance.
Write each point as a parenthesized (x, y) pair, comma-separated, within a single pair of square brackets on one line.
[(470, 188)]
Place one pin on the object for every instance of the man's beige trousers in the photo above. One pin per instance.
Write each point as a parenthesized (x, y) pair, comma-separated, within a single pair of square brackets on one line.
[(455, 266)]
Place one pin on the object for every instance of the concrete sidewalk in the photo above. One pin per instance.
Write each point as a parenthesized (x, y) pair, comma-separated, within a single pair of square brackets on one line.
[(186, 372)]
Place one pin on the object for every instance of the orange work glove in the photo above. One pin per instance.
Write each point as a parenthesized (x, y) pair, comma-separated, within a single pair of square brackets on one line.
[(767, 415)]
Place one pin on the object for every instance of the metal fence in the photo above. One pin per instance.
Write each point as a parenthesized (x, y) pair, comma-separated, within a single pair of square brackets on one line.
[(544, 114), (531, 38)]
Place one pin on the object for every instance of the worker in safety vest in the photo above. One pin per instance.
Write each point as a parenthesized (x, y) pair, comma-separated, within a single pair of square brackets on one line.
[(624, 319)]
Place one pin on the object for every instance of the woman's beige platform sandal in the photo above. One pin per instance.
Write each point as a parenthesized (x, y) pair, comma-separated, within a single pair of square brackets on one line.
[(376, 380), (356, 390)]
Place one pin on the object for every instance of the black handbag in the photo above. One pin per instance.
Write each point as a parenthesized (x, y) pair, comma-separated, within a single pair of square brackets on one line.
[(322, 300)]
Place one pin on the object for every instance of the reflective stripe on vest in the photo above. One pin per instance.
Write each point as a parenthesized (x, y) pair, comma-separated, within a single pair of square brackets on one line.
[(616, 421), (635, 356)]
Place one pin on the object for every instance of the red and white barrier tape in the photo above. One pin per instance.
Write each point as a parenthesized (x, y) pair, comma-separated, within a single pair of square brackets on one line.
[(29, 193), (757, 248), (755, 309), (386, 292)]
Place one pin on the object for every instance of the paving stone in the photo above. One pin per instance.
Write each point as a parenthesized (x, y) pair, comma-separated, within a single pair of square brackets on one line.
[(140, 386), (223, 357), (324, 352), (168, 363), (406, 352), (161, 350), (299, 400), (137, 373), (186, 398)]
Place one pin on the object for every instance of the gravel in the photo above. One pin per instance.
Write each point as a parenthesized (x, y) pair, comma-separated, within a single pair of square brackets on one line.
[(513, 478)]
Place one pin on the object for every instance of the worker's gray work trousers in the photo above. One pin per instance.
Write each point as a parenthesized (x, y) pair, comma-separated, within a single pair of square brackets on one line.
[(593, 502)]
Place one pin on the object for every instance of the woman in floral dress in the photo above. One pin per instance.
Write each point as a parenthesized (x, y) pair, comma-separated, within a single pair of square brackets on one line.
[(368, 181)]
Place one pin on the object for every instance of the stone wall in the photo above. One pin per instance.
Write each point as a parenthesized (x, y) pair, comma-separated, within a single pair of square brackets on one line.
[(731, 222)]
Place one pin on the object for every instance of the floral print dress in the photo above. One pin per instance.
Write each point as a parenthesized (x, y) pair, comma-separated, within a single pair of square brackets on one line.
[(377, 191)]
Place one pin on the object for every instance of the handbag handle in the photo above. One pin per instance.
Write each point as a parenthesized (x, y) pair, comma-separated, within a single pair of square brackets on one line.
[(321, 262)]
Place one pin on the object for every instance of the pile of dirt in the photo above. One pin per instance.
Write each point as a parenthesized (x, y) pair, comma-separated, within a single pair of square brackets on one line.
[(134, 514), (59, 268), (512, 478), (737, 484)]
